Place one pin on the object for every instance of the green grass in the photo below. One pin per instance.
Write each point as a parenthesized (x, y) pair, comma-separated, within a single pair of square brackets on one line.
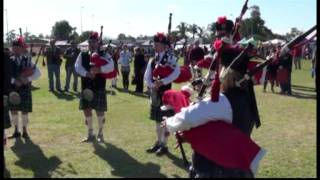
[(288, 133)]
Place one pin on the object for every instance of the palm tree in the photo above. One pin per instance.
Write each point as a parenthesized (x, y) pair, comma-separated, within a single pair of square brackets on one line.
[(201, 32), (182, 28), (193, 29)]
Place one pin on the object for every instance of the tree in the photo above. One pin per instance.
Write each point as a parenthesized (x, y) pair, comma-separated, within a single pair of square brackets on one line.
[(26, 36), (61, 30), (11, 35), (182, 28), (84, 36), (121, 37), (201, 32), (41, 36), (293, 33), (193, 29)]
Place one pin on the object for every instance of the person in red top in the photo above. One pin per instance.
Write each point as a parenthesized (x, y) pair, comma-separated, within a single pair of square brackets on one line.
[(296, 53), (196, 55)]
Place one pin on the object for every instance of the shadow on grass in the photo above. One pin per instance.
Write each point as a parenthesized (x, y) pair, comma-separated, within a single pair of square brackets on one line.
[(143, 95), (33, 88), (123, 164), (303, 88), (111, 92), (66, 96), (301, 95), (6, 173), (31, 157), (178, 161)]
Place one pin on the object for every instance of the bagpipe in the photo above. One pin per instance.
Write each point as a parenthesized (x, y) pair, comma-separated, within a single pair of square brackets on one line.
[(235, 32), (97, 61), (27, 71), (163, 70)]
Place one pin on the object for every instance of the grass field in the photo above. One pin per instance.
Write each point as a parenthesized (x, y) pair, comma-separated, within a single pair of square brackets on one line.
[(288, 133)]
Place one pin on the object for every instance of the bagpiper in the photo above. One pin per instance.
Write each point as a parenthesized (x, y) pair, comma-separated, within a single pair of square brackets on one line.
[(159, 80), (91, 66), (24, 71)]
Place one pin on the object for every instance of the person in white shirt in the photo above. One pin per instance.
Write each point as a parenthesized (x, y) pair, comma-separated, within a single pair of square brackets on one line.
[(125, 60), (93, 81), (159, 80)]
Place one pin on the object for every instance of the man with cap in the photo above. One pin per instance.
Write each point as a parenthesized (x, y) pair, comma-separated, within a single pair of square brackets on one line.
[(93, 82), (161, 71), (71, 55), (52, 55), (23, 73)]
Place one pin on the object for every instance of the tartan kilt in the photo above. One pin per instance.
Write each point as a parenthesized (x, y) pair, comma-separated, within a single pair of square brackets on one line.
[(156, 114), (99, 102), (26, 100), (6, 117)]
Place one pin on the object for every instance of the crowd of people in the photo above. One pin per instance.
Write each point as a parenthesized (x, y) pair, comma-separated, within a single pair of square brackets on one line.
[(218, 124)]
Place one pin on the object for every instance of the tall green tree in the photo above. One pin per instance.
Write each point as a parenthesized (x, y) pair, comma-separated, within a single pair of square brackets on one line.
[(61, 30), (84, 36), (182, 28), (193, 29)]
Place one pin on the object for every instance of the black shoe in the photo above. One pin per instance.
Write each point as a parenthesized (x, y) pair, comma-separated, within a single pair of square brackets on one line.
[(16, 134), (90, 138), (100, 138), (162, 150), (66, 90), (25, 135), (153, 149)]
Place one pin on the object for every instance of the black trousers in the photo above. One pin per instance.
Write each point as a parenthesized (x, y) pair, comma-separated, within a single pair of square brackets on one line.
[(125, 79), (286, 87), (139, 82)]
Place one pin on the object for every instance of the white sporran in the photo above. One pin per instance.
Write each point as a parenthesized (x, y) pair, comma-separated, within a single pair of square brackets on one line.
[(14, 98), (87, 94)]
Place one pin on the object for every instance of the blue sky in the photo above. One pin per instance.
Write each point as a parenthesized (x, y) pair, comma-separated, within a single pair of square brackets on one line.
[(135, 17)]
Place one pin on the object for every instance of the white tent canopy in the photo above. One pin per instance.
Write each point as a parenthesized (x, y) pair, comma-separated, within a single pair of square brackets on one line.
[(84, 43), (106, 45), (274, 42), (60, 43), (147, 43)]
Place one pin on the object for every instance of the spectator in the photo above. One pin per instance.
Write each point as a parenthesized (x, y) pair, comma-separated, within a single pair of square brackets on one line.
[(297, 56), (115, 57), (52, 55), (139, 69), (271, 70), (125, 60), (71, 55)]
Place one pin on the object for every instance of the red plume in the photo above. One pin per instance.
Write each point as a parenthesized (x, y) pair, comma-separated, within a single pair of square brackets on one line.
[(222, 20)]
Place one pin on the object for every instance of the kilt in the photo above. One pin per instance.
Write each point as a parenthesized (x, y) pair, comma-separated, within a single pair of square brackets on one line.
[(26, 100), (271, 72), (99, 102), (6, 117), (156, 114)]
